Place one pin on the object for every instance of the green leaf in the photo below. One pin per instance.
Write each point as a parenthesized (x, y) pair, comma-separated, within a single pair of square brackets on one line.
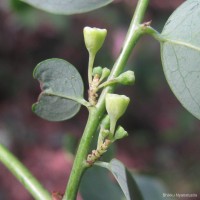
[(124, 178), (62, 90), (180, 50), (68, 7), (135, 186), (151, 188), (98, 185)]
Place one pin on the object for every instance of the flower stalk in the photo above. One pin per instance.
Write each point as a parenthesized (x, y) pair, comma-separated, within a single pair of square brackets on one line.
[(23, 175)]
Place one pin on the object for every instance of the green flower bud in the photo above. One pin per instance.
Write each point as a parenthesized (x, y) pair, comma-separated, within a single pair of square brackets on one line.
[(105, 73), (116, 105), (120, 133), (97, 70), (105, 133), (94, 39), (126, 78)]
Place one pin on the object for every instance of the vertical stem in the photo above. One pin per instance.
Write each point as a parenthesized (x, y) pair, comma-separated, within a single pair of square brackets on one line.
[(96, 113), (134, 33), (90, 67), (23, 175), (140, 11), (80, 164)]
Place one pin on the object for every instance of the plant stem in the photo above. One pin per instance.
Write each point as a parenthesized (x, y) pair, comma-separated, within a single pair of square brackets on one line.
[(107, 83), (134, 33), (90, 67), (80, 164), (23, 175), (140, 11), (149, 30), (162, 39), (97, 112), (112, 126)]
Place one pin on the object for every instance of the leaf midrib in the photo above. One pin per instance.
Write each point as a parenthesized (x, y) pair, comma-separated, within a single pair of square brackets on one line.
[(76, 99), (179, 42)]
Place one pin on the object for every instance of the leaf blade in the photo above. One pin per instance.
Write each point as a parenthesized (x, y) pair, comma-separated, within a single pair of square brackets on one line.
[(62, 89), (125, 180), (68, 7), (102, 185), (180, 54)]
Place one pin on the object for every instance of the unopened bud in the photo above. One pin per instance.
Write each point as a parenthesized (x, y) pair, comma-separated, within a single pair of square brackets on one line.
[(120, 133), (126, 78), (97, 70), (94, 39), (105, 73), (116, 105), (105, 133)]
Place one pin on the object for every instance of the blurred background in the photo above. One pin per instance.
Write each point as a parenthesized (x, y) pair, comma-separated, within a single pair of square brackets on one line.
[(164, 140)]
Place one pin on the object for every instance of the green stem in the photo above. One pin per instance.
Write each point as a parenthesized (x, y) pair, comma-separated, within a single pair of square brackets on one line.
[(96, 113), (112, 125), (140, 11), (134, 33), (90, 67), (23, 175), (80, 164), (149, 30), (107, 83)]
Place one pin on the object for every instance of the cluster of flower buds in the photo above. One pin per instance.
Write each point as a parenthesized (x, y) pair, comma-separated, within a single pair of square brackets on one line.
[(116, 104), (102, 73), (96, 154), (98, 75)]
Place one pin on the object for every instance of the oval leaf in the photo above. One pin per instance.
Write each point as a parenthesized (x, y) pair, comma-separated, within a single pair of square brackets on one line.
[(62, 89), (180, 51), (124, 178), (68, 7)]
